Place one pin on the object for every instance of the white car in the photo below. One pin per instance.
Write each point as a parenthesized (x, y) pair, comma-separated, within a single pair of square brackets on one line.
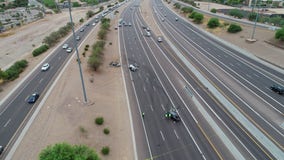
[(148, 34), (133, 67), (160, 39), (65, 46), (69, 50), (94, 24), (45, 67), (78, 38)]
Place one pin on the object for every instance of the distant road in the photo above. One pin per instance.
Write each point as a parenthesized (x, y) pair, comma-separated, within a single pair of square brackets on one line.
[(243, 21)]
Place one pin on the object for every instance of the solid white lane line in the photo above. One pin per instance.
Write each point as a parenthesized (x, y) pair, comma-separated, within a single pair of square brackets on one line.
[(7, 122), (163, 107), (151, 107), (176, 134), (162, 135), (154, 88)]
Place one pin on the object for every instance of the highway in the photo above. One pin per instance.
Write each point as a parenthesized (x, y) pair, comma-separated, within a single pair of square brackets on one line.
[(15, 111), (242, 80)]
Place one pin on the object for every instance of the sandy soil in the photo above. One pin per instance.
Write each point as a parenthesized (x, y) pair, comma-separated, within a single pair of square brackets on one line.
[(64, 112)]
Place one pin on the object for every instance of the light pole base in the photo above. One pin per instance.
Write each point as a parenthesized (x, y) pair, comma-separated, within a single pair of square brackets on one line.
[(249, 40)]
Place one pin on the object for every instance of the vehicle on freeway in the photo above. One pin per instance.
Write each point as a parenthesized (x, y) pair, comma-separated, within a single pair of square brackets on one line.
[(78, 38), (173, 115), (69, 50), (129, 24), (160, 39), (87, 24), (143, 27), (65, 46), (94, 24), (1, 149), (82, 29), (148, 34), (176, 19), (45, 67), (133, 67), (148, 29), (32, 98), (163, 19), (119, 25), (277, 88)]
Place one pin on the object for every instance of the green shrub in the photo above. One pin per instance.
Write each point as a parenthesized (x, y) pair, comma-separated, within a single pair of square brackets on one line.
[(236, 13), (105, 150), (234, 28), (177, 5), (81, 20), (99, 120), (252, 16), (14, 71), (279, 34), (198, 17), (187, 9), (213, 23), (106, 131), (90, 14), (76, 4), (192, 15), (40, 50), (213, 10)]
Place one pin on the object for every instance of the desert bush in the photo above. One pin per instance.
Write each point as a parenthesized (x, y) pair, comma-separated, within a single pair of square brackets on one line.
[(177, 5), (198, 17), (234, 28), (213, 10), (236, 13), (213, 23), (90, 14), (99, 120), (76, 4), (106, 131), (187, 9), (14, 71), (252, 16), (81, 20), (105, 150), (192, 15), (279, 34), (40, 50)]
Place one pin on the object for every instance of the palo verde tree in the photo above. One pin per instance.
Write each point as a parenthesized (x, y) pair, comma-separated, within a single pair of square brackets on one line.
[(64, 151)]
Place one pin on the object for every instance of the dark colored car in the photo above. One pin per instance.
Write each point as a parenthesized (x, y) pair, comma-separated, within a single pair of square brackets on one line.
[(277, 88), (32, 98), (173, 115), (1, 149)]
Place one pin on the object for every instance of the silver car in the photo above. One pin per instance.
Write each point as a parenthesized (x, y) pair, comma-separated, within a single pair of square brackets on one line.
[(45, 67), (65, 46), (69, 50)]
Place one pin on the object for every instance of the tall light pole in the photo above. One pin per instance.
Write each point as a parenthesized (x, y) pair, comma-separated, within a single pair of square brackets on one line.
[(77, 53), (254, 26)]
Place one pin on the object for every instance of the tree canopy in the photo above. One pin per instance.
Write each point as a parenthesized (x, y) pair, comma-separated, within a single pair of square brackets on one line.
[(64, 151)]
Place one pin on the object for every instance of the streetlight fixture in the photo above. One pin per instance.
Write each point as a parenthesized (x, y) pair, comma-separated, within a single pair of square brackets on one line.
[(77, 53)]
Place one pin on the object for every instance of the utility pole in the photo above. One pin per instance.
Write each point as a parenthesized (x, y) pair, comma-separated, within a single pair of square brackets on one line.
[(77, 53), (254, 26)]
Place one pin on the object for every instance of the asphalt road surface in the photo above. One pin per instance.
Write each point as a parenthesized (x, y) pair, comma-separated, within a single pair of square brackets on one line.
[(163, 82)]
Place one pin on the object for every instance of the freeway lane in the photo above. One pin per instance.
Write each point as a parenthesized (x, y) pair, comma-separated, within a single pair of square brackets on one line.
[(15, 111), (204, 55), (155, 95)]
